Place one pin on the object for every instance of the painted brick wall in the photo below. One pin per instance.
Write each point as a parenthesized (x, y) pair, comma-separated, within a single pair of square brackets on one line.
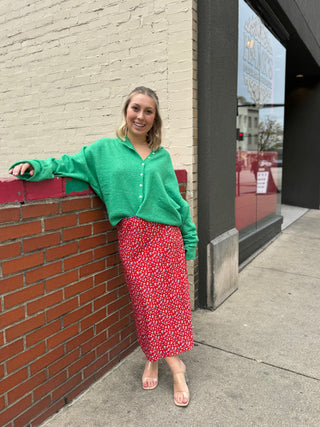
[(67, 66), (65, 312)]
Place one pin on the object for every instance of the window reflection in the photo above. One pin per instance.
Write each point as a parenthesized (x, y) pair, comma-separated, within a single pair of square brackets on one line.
[(261, 79)]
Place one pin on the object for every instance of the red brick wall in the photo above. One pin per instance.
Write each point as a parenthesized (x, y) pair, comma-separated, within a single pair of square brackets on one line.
[(65, 312)]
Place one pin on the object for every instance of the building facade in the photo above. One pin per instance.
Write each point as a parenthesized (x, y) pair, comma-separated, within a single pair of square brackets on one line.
[(238, 84), (239, 89), (258, 108)]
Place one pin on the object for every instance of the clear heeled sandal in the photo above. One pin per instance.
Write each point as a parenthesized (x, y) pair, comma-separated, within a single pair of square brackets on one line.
[(180, 381), (146, 380)]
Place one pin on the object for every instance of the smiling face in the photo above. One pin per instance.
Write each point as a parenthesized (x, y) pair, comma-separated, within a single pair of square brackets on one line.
[(140, 116)]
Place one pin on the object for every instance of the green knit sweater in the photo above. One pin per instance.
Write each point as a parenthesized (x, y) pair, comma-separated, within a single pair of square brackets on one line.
[(128, 185)]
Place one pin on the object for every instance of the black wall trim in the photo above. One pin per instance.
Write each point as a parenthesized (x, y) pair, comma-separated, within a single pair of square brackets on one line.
[(253, 241), (217, 104)]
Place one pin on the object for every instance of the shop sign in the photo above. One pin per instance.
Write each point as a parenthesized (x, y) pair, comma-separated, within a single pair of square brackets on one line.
[(262, 182), (257, 61)]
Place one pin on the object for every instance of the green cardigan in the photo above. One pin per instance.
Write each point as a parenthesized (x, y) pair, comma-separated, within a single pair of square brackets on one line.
[(127, 184)]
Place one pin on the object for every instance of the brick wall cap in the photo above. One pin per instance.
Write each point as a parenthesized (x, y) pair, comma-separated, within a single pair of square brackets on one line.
[(15, 190)]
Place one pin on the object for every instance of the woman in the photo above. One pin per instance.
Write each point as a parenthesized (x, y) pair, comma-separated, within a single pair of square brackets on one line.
[(135, 178)]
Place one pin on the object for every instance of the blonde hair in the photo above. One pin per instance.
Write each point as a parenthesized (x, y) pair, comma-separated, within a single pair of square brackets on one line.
[(154, 134)]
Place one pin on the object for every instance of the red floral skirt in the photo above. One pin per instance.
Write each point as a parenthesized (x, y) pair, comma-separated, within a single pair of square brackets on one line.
[(154, 264)]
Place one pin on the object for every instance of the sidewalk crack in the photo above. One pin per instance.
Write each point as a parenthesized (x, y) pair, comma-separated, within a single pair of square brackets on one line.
[(286, 272), (257, 360)]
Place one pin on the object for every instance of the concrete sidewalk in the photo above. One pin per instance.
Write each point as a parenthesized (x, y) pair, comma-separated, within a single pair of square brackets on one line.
[(256, 361)]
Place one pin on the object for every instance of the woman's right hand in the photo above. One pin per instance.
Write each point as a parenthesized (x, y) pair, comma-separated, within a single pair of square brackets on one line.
[(21, 168)]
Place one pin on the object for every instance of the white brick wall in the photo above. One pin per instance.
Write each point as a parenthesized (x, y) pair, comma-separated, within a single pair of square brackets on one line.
[(67, 65)]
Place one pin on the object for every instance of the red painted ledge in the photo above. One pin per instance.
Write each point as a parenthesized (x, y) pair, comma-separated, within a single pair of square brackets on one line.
[(16, 190)]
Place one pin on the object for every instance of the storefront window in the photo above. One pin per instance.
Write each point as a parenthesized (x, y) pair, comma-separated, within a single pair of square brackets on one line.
[(261, 83)]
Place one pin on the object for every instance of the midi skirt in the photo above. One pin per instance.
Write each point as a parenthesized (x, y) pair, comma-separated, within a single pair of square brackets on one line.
[(155, 270)]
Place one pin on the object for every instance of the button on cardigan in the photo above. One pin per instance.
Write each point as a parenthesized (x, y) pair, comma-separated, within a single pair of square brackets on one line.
[(128, 185)]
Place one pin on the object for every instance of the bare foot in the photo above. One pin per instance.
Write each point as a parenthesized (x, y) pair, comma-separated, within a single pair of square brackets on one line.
[(150, 375)]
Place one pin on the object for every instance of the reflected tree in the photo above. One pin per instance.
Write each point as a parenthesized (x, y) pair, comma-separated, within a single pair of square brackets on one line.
[(270, 135)]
